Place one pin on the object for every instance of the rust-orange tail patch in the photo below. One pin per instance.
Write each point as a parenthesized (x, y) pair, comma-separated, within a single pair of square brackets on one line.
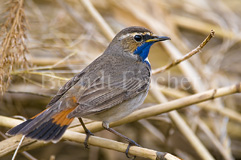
[(46, 125), (61, 118)]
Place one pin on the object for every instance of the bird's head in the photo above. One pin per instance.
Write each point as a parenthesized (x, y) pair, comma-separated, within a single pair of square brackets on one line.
[(136, 41)]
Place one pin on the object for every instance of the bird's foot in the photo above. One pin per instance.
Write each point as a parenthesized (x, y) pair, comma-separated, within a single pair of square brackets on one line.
[(131, 143), (88, 134)]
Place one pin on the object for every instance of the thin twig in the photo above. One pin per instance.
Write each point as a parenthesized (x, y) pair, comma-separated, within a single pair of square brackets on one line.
[(20, 142), (31, 93), (16, 151), (183, 127), (72, 13), (26, 154), (209, 106), (151, 128), (185, 57), (105, 28), (46, 67), (48, 74), (204, 27), (214, 140)]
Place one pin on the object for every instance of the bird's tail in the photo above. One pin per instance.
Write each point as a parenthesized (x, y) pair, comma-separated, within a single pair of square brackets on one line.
[(47, 125)]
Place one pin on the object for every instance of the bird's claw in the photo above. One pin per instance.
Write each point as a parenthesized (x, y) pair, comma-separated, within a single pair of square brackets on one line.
[(131, 143)]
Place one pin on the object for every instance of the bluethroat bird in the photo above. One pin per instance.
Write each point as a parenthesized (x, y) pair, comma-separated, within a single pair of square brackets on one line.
[(108, 89)]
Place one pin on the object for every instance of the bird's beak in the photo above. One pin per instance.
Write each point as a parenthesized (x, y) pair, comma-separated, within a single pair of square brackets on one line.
[(157, 38)]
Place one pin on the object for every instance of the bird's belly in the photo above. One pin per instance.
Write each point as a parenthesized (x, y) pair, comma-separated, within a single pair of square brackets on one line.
[(119, 111)]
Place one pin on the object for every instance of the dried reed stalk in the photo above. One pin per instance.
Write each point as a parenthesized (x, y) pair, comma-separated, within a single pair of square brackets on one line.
[(137, 115), (10, 144), (185, 57), (13, 48)]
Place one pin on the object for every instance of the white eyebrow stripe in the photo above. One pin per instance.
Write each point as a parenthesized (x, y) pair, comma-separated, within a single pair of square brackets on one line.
[(132, 34)]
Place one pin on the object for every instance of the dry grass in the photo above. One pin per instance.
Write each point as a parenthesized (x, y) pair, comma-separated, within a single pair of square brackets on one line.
[(13, 48), (65, 36)]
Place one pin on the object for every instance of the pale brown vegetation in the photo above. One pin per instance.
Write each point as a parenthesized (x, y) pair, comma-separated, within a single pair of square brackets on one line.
[(13, 47), (65, 36)]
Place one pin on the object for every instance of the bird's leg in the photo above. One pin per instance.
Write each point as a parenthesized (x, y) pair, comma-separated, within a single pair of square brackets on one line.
[(131, 142), (87, 132)]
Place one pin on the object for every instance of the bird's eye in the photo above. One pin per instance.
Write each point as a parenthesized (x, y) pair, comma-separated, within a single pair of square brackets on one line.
[(138, 38)]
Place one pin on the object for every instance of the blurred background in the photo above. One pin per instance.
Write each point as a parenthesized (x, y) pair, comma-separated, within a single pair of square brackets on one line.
[(55, 39)]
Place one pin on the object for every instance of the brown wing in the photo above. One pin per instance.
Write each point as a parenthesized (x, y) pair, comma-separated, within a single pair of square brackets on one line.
[(102, 95), (65, 88)]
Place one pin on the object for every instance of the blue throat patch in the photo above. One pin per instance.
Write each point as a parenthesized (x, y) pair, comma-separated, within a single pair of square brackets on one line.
[(143, 51)]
